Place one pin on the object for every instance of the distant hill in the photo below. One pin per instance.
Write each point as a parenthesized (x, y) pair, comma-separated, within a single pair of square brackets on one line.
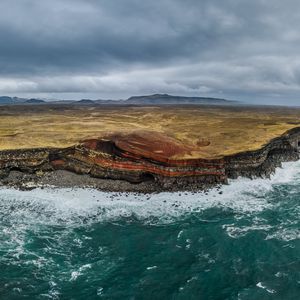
[(84, 101), (6, 100), (34, 101), (155, 99), (169, 99)]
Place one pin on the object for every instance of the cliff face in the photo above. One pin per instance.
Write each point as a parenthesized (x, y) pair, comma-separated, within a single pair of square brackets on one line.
[(138, 157), (141, 157), (262, 163)]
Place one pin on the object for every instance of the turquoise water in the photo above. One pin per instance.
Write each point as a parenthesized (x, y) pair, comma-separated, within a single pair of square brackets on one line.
[(243, 243)]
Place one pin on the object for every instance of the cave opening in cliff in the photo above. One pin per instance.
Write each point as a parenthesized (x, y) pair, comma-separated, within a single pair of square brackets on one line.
[(298, 145), (147, 177)]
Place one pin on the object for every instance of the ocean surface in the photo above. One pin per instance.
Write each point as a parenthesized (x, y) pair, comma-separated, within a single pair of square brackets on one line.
[(240, 242)]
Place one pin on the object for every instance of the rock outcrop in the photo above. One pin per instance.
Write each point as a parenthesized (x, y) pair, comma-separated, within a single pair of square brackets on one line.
[(147, 156)]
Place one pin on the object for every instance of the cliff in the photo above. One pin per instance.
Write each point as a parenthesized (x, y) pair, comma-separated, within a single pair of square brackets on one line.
[(150, 157)]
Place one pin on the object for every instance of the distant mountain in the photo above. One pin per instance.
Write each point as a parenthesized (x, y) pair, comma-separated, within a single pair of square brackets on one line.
[(158, 99), (84, 101), (155, 99), (6, 100), (34, 101)]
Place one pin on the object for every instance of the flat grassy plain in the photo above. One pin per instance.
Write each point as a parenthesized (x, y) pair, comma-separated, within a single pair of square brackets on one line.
[(210, 131)]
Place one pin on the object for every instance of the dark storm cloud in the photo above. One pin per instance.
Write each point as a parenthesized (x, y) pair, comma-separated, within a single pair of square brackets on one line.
[(235, 48)]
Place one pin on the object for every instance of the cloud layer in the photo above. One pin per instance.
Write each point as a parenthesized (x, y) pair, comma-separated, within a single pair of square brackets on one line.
[(239, 49)]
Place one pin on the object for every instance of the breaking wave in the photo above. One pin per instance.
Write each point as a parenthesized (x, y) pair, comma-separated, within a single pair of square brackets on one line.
[(79, 206)]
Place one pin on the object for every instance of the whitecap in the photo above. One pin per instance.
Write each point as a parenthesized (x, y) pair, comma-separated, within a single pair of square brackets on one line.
[(79, 272), (261, 286), (285, 234)]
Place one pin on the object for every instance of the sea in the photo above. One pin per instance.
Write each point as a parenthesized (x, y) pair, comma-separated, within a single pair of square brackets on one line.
[(241, 241)]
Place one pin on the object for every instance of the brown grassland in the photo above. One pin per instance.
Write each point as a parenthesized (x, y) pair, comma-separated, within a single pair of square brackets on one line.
[(210, 131)]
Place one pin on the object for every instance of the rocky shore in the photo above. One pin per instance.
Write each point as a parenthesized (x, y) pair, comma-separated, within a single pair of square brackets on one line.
[(139, 163)]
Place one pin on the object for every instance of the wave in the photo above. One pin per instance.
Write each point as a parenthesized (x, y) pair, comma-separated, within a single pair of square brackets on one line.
[(53, 206)]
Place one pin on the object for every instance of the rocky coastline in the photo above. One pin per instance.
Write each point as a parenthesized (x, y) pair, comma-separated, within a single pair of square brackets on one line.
[(111, 163)]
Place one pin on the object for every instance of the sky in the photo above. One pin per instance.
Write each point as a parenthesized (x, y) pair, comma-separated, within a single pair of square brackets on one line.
[(112, 49)]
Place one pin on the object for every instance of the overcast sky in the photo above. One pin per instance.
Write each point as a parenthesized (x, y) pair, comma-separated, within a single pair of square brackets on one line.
[(237, 49)]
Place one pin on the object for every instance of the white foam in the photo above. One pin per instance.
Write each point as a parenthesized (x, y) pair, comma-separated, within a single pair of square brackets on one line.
[(151, 268), (81, 270), (261, 286), (237, 232), (77, 206), (70, 206), (285, 234)]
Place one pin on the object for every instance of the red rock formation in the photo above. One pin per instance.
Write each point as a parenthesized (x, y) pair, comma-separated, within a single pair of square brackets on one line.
[(135, 156)]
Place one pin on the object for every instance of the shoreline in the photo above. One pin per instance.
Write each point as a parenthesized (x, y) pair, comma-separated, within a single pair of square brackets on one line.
[(33, 168), (67, 179)]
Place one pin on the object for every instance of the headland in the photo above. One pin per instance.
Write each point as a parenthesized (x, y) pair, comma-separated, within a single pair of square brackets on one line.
[(143, 148)]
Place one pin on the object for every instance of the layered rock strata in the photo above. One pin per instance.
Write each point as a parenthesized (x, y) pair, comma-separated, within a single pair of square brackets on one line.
[(151, 157)]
